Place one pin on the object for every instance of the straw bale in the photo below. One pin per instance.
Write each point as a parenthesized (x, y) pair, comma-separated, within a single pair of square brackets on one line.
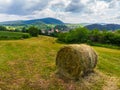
[(74, 61)]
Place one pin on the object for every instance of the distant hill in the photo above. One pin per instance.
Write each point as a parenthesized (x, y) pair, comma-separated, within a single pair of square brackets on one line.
[(34, 21), (103, 26)]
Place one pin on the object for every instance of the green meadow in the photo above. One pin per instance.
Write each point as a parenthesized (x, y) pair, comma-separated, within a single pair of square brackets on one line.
[(29, 64), (6, 35)]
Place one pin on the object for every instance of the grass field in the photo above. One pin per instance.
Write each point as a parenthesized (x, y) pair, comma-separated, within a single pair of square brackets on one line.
[(5, 35), (30, 65)]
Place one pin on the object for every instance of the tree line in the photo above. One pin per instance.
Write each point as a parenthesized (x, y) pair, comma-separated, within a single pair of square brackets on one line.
[(78, 35), (83, 35), (32, 30)]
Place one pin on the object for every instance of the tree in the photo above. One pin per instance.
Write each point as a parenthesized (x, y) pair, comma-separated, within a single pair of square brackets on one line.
[(33, 31), (94, 35), (24, 30), (2, 28), (83, 35), (78, 35), (117, 31), (61, 36), (16, 30), (40, 32)]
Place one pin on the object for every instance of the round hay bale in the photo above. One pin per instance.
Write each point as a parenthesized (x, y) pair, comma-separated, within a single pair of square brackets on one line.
[(73, 61)]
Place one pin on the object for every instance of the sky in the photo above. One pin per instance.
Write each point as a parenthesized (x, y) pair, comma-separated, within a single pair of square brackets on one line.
[(69, 11)]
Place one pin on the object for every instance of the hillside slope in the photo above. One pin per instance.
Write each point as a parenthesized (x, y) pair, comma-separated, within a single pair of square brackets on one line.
[(103, 27), (34, 21), (30, 65)]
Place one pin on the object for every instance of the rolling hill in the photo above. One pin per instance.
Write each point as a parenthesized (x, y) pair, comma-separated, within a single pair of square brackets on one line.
[(34, 21), (103, 26)]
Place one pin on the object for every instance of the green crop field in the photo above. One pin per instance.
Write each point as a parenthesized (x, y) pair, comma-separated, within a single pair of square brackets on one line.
[(30, 65), (5, 35)]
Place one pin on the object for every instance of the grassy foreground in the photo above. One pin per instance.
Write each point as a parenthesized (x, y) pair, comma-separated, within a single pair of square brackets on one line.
[(30, 65)]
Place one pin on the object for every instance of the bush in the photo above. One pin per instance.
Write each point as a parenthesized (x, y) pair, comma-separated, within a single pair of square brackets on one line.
[(25, 35), (33, 31), (24, 30), (2, 28)]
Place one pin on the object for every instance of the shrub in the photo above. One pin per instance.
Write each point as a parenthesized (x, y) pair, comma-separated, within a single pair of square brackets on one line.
[(3, 28), (25, 35), (33, 31)]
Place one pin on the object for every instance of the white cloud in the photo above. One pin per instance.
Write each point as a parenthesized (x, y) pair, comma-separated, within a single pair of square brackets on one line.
[(7, 17), (71, 11)]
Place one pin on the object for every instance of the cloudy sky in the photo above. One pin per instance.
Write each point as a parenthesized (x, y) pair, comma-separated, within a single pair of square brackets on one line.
[(69, 11)]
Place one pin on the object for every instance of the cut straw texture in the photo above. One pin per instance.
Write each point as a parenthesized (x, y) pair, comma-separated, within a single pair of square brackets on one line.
[(74, 61)]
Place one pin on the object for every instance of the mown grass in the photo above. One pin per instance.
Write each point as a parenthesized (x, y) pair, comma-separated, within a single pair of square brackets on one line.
[(30, 65), (109, 61), (5, 35)]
